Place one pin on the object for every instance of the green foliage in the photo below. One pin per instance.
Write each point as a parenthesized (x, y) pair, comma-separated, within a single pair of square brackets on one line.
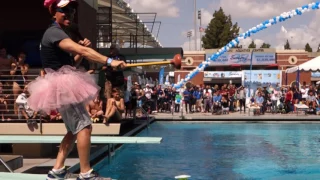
[(287, 45), (265, 45), (220, 31), (308, 48)]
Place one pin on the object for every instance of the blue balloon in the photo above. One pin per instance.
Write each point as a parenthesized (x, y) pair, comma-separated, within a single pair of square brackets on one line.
[(298, 12)]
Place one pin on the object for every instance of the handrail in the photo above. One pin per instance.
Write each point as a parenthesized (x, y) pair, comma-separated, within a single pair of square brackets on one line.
[(146, 114)]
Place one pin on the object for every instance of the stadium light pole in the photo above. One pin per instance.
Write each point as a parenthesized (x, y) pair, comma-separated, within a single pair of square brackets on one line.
[(195, 24), (189, 34)]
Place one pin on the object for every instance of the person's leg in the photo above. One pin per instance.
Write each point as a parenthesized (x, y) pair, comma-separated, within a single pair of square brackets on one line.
[(65, 148), (84, 146), (16, 90), (109, 106)]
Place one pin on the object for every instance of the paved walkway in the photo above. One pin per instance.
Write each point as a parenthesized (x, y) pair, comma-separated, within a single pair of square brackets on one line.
[(236, 116)]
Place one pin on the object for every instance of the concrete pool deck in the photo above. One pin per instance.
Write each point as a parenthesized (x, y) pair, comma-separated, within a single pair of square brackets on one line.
[(236, 116)]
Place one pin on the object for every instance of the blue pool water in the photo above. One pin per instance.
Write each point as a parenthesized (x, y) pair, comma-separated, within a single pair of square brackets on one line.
[(220, 151)]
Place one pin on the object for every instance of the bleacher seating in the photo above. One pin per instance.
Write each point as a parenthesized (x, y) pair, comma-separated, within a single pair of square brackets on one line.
[(7, 91)]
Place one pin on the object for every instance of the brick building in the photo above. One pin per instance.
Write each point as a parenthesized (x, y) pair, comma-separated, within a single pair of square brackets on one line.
[(232, 70), (191, 60)]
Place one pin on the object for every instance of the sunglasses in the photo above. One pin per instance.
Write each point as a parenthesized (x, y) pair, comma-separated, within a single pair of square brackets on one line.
[(66, 10)]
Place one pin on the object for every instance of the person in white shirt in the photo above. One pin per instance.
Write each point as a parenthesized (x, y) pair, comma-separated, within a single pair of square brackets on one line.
[(148, 91), (304, 92), (274, 100), (24, 110)]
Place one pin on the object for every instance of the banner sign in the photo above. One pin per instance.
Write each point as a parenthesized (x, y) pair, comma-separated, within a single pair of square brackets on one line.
[(161, 75), (262, 78), (223, 74), (315, 74), (243, 57)]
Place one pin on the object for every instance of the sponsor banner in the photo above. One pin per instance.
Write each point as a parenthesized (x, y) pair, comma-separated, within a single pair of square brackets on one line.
[(243, 57), (223, 74), (315, 74)]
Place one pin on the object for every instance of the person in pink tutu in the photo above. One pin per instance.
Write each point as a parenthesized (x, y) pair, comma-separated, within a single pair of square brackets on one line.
[(66, 89)]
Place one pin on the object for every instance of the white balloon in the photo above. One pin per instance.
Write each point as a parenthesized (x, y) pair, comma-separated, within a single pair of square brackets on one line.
[(271, 20), (268, 25)]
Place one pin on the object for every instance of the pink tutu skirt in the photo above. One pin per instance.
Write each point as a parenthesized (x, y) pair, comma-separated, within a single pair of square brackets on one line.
[(61, 88)]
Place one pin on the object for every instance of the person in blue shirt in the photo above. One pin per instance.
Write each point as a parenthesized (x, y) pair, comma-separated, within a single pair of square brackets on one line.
[(186, 95), (198, 96), (260, 101), (216, 99)]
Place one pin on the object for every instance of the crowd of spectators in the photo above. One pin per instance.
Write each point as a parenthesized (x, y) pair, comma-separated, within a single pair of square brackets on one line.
[(116, 101)]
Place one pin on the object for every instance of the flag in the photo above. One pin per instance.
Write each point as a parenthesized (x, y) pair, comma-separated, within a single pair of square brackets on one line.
[(161, 76), (284, 29), (167, 80), (129, 83)]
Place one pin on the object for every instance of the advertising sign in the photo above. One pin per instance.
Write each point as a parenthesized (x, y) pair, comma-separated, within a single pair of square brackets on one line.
[(223, 74), (243, 57), (262, 78), (315, 74)]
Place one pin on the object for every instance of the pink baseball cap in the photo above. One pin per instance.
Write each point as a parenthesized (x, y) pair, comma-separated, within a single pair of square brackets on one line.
[(60, 3)]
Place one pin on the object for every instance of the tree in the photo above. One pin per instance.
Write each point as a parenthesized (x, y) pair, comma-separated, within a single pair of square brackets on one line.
[(287, 45), (308, 48), (265, 45), (220, 31), (318, 48), (252, 45)]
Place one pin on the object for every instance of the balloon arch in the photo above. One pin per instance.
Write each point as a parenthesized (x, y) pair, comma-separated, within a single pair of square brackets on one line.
[(284, 16)]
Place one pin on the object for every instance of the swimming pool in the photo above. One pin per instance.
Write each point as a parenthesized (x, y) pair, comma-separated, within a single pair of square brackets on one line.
[(220, 151)]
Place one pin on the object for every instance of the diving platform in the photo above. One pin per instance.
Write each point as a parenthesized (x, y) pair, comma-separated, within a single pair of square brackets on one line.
[(20, 176), (54, 129), (94, 139)]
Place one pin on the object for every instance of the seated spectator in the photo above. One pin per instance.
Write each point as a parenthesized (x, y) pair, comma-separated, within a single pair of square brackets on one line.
[(94, 109), (311, 100), (19, 70), (216, 101), (115, 107), (259, 102), (224, 104), (24, 110), (3, 107), (55, 116)]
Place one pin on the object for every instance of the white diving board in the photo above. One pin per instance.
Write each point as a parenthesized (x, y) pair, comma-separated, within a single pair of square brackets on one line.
[(21, 176), (94, 140)]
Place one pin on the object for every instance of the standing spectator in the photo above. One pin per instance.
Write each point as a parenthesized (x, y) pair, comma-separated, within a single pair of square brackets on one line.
[(110, 77), (242, 98), (186, 95)]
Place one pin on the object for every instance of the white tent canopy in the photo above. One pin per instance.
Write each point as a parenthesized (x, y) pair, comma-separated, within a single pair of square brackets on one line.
[(312, 65)]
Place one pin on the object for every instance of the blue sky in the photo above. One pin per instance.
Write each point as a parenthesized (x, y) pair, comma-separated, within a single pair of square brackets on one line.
[(177, 18)]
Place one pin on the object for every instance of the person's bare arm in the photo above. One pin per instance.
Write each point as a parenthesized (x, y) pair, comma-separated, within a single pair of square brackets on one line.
[(13, 69), (77, 59), (25, 69), (71, 47), (88, 109), (121, 107)]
